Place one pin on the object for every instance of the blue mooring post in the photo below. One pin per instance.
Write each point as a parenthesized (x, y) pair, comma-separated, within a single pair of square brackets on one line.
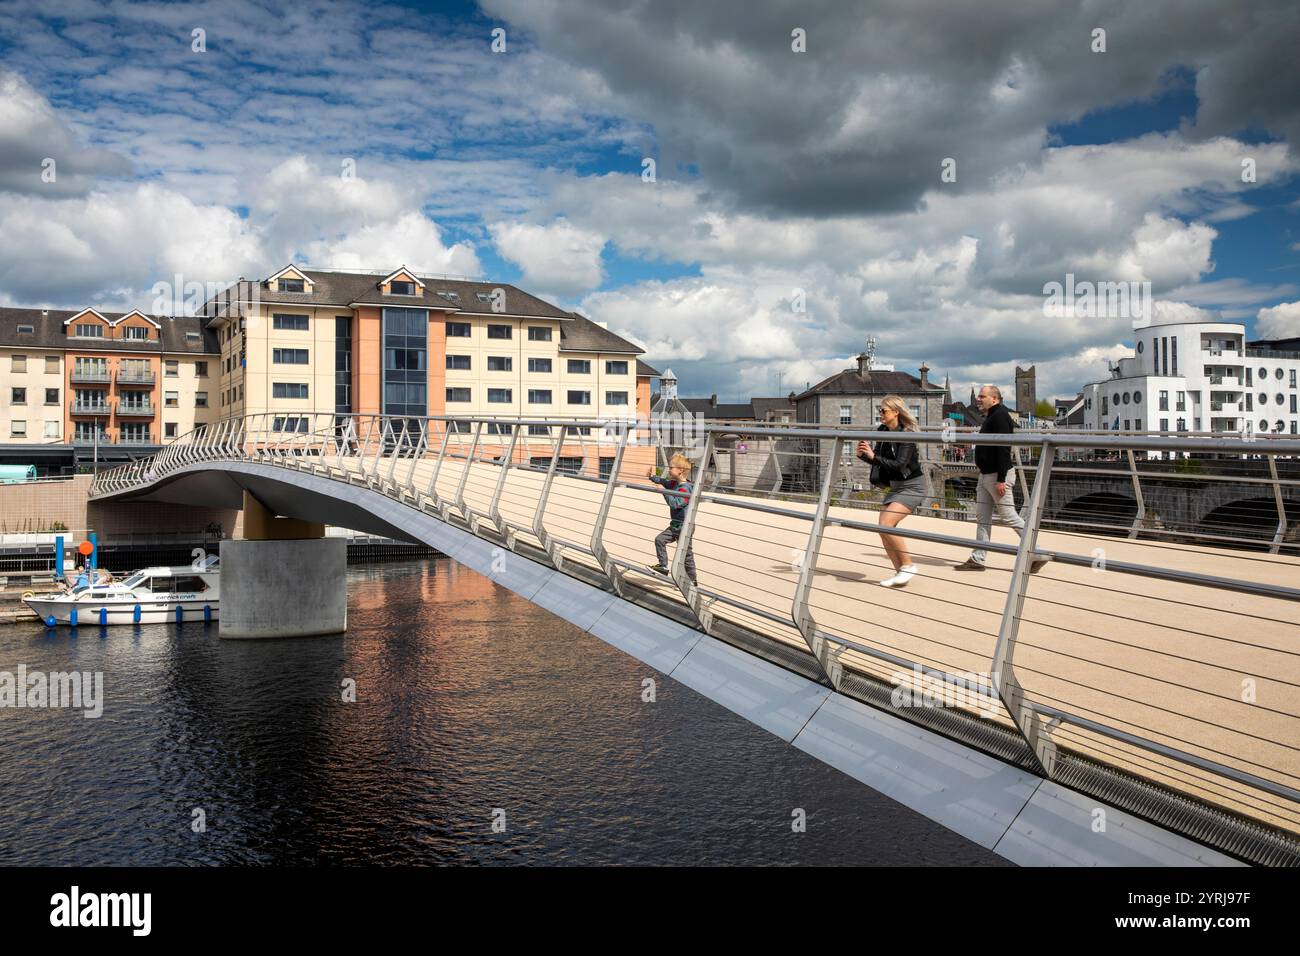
[(103, 617), (135, 614), (180, 614), (207, 614), (94, 551), (58, 557), (72, 618)]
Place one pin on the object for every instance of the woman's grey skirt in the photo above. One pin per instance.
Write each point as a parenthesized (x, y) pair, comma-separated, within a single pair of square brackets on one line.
[(910, 493)]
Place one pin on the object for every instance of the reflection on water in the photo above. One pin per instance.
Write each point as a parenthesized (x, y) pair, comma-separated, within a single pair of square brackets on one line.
[(469, 700)]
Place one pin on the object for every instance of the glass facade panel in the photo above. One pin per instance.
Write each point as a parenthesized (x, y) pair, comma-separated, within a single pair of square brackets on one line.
[(406, 343)]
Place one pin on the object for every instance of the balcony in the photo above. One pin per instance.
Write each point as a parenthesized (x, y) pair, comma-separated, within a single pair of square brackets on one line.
[(89, 408), (133, 410), (1226, 408), (90, 373), (135, 377), (147, 440)]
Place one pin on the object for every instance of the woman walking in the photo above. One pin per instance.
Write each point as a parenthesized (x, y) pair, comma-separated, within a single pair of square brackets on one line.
[(899, 466)]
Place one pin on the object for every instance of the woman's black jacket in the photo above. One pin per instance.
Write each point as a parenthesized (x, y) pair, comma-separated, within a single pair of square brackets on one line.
[(898, 460)]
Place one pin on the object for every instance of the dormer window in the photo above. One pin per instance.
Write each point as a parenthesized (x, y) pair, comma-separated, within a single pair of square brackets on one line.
[(454, 296), (483, 296), (398, 287), (88, 330), (135, 332), (26, 328), (291, 285)]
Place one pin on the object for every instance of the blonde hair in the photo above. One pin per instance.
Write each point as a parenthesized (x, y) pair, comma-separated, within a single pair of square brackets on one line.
[(681, 461), (905, 416)]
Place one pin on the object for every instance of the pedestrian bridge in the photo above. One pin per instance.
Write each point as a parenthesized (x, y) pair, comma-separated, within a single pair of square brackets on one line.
[(1136, 701)]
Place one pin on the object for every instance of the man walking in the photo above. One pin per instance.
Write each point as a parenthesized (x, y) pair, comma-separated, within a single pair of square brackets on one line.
[(997, 476)]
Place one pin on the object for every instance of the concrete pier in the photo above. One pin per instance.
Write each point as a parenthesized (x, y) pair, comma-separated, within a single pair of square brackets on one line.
[(285, 579)]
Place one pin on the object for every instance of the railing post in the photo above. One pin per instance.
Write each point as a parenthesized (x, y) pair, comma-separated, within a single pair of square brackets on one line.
[(385, 430), (464, 477), (598, 550), (397, 452), (1031, 726), (1141, 514), (827, 655), (437, 467), (494, 510), (539, 528), (420, 448), (677, 571), (1280, 533)]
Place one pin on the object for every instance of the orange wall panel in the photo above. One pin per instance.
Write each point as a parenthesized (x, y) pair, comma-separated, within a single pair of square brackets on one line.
[(367, 360)]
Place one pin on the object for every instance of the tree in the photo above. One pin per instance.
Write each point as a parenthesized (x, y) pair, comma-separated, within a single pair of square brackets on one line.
[(1044, 409)]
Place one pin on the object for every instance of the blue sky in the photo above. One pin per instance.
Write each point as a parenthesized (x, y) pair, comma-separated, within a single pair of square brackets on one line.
[(780, 175)]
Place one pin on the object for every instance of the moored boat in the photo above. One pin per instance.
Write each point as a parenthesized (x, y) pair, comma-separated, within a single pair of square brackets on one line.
[(148, 596)]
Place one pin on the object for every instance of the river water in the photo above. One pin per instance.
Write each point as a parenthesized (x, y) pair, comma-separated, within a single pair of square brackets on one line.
[(484, 731)]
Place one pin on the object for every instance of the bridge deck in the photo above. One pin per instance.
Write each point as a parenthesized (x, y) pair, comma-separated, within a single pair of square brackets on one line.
[(1209, 672)]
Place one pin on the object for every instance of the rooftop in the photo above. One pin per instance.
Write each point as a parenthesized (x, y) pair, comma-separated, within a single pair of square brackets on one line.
[(49, 332)]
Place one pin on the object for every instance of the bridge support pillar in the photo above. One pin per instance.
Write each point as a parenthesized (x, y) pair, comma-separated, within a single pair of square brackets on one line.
[(285, 579)]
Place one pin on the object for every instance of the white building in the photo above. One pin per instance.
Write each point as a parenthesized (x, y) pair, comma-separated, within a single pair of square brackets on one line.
[(1199, 377)]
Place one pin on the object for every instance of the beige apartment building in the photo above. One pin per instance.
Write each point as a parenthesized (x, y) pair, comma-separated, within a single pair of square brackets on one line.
[(310, 341)]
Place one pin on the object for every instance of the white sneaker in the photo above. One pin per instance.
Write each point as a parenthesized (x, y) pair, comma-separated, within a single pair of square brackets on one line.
[(905, 574)]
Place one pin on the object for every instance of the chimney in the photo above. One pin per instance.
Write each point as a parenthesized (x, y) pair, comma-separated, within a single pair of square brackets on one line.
[(864, 364), (925, 375), (713, 400)]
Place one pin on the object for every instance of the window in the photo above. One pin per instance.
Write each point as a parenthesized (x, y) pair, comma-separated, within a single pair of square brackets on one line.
[(18, 429), (500, 396), (201, 369), (616, 368), (846, 452), (1292, 382), (1263, 373), (539, 333), (292, 323), (169, 430), (20, 363), (499, 363), (88, 331), (453, 296), (457, 330), (539, 365), (1277, 374), (51, 396), (539, 396), (498, 331), (200, 399), (846, 415), (342, 363), (289, 356), (1164, 401), (1281, 399), (26, 329), (539, 430), (52, 365), (51, 429), (1279, 426), (579, 366), (579, 398), (459, 363), (406, 351), (398, 287), (288, 389), (616, 398), (1293, 404), (291, 285), (172, 368), (171, 399), (135, 332), (19, 397), (291, 423), (1263, 425), (192, 337), (1164, 424), (1263, 399), (483, 296), (403, 360), (458, 395), (1180, 403)]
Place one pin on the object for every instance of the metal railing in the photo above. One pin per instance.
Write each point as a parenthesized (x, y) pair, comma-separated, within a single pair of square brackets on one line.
[(134, 377), (1171, 663), (135, 409), (90, 408), (81, 373)]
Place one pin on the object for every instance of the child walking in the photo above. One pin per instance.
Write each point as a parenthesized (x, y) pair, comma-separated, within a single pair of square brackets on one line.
[(677, 491)]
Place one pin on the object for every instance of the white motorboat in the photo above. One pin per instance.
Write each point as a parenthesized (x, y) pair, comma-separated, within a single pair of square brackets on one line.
[(147, 596)]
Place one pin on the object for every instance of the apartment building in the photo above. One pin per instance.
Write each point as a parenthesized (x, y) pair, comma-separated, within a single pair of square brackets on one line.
[(1198, 376), (310, 341), (125, 382)]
